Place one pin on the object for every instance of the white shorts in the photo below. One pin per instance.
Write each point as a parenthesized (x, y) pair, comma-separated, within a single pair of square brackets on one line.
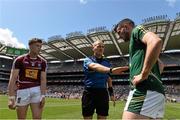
[(150, 104), (27, 96)]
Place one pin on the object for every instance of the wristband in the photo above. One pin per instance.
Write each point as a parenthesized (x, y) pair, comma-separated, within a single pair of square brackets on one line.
[(11, 97), (111, 92), (110, 71)]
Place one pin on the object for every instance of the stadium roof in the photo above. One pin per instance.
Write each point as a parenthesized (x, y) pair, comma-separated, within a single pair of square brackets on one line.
[(77, 45)]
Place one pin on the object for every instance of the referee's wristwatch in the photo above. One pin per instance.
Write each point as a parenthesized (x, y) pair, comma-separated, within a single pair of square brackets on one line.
[(110, 71)]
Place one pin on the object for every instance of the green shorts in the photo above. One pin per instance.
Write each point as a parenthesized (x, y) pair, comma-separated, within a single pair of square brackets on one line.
[(147, 103)]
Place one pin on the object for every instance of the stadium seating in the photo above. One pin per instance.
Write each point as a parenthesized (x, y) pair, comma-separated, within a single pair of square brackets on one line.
[(66, 74)]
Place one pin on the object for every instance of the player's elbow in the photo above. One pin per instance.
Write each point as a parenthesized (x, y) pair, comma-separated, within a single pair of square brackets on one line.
[(157, 43)]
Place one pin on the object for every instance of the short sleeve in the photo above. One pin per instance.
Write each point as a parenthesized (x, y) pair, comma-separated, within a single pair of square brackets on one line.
[(139, 32), (17, 64), (44, 66), (87, 61)]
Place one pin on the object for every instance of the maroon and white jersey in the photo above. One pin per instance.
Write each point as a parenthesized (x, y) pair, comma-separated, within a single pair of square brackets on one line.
[(29, 70)]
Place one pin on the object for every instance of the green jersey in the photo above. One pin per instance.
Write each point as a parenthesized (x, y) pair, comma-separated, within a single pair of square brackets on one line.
[(137, 51)]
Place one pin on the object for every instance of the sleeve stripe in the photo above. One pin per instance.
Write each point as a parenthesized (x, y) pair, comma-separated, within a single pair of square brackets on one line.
[(142, 29)]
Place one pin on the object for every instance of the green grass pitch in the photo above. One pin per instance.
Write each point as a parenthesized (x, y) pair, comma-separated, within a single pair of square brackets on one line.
[(71, 109)]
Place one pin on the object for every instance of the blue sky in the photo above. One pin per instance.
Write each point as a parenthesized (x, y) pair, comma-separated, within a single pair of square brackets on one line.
[(21, 20)]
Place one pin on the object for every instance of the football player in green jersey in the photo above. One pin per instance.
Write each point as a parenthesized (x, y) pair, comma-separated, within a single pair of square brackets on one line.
[(146, 98)]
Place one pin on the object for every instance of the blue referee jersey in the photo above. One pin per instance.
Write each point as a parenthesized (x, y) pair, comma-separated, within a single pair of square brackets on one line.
[(95, 79)]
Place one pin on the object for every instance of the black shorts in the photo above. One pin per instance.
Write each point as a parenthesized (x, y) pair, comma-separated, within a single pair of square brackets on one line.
[(96, 98)]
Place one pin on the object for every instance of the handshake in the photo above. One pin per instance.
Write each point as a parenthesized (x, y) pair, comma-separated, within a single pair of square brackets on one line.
[(118, 70)]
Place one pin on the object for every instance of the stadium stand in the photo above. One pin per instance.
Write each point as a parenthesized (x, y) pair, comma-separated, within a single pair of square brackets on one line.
[(65, 58)]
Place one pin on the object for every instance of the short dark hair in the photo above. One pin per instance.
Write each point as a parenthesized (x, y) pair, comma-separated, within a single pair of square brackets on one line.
[(126, 20), (35, 40)]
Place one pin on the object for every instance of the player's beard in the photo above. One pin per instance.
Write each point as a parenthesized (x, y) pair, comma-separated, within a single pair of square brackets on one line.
[(126, 36)]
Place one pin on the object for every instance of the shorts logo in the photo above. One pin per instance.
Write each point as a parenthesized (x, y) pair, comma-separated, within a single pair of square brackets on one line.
[(18, 100)]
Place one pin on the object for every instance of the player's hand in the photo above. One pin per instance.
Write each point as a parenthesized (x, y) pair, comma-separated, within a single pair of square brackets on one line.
[(119, 70), (137, 79), (113, 100), (11, 104), (42, 102)]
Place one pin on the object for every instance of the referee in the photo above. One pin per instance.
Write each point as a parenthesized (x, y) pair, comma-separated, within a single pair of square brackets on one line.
[(98, 84)]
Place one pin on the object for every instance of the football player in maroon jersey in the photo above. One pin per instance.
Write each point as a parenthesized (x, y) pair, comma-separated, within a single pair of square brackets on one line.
[(30, 69)]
